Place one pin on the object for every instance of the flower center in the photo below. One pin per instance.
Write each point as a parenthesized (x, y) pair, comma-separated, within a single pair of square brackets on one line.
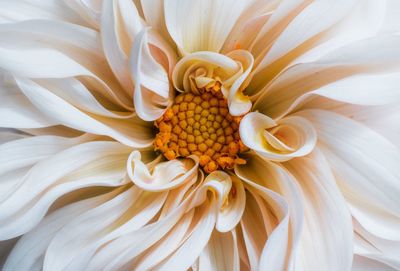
[(200, 124)]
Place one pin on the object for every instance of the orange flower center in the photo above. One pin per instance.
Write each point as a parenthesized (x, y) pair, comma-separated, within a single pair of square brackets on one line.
[(200, 124)]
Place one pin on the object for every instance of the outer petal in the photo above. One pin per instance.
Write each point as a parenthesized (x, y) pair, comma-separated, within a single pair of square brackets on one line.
[(322, 246), (366, 169), (76, 242), (276, 247), (84, 165), (362, 57), (221, 253), (28, 254), (278, 179), (201, 25), (373, 247), (131, 131), (53, 10)]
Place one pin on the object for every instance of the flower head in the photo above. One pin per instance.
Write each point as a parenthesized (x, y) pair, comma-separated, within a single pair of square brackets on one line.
[(202, 135)]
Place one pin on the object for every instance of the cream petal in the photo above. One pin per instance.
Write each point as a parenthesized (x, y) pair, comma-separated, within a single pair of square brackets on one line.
[(251, 21), (275, 227), (232, 210), (382, 118), (120, 251), (77, 241), (359, 157), (167, 245), (162, 176), (221, 253), (240, 104), (16, 111), (28, 151), (153, 92), (362, 57), (133, 131), (353, 27), (13, 11), (7, 135), (117, 37), (322, 246), (283, 13), (30, 250), (365, 264), (230, 193), (202, 68), (77, 94), (390, 24), (358, 89), (289, 137), (89, 10), (373, 247), (84, 165), (58, 50), (348, 26), (183, 68), (184, 257), (201, 25), (303, 27), (278, 179)]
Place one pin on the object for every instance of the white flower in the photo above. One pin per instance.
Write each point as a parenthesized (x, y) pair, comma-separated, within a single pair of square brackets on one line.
[(202, 135)]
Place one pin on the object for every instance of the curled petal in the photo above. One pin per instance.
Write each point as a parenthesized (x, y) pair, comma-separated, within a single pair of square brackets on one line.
[(229, 191), (232, 210), (239, 103), (277, 141), (164, 176), (226, 73), (153, 93)]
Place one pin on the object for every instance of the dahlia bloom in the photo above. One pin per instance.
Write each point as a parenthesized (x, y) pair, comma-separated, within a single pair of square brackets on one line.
[(200, 135)]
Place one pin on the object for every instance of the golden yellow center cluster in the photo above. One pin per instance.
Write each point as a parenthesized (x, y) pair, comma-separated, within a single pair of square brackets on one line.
[(200, 124)]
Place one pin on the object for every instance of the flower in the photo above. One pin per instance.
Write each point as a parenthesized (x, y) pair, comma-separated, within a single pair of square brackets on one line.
[(203, 135)]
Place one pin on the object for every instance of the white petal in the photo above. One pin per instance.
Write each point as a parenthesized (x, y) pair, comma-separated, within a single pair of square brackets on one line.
[(77, 241), (133, 132), (16, 111), (322, 246), (120, 251), (278, 179), (363, 57), (184, 257), (53, 10), (201, 25), (30, 249), (366, 169), (84, 165), (373, 247), (28, 151), (89, 10), (290, 137), (221, 253), (117, 36), (276, 246), (167, 245), (304, 27), (366, 264)]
